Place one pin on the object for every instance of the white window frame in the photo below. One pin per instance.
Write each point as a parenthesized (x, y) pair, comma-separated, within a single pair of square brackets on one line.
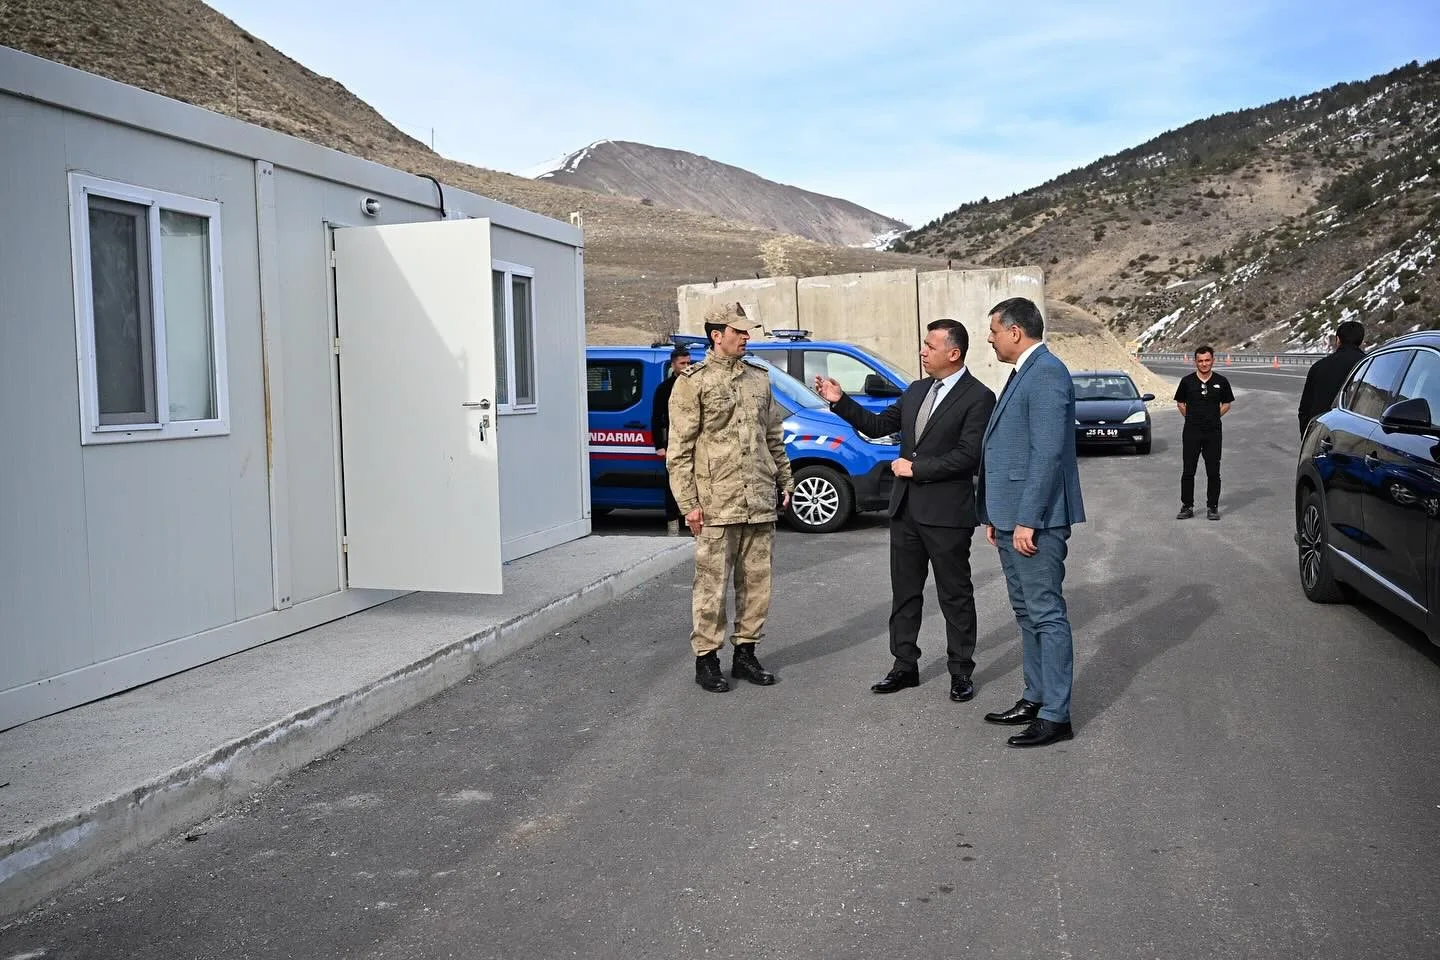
[(92, 431), (517, 270)]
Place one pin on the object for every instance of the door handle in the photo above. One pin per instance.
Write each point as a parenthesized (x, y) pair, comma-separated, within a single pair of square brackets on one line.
[(482, 404), (1371, 461), (634, 425), (1326, 445)]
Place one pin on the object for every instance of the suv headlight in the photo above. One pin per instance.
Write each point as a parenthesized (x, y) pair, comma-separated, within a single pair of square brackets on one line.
[(1139, 416)]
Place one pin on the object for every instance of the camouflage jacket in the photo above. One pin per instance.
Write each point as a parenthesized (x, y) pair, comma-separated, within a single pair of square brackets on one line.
[(727, 447)]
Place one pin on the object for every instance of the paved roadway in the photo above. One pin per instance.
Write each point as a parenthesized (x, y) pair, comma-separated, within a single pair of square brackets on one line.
[(1253, 775)]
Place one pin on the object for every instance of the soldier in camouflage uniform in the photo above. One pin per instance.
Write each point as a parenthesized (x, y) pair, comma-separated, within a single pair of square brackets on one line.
[(726, 459)]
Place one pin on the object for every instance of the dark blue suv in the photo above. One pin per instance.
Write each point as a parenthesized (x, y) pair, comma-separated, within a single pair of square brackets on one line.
[(1367, 487), (837, 469)]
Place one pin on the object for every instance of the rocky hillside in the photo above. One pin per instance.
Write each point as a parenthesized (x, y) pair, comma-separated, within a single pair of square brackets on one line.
[(636, 253), (688, 181), (1259, 229)]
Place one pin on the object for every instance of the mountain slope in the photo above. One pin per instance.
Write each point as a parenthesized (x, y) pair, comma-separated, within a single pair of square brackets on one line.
[(688, 181), (1258, 229), (636, 254)]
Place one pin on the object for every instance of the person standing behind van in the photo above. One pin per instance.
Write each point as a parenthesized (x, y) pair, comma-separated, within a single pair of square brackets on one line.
[(660, 430), (1327, 376)]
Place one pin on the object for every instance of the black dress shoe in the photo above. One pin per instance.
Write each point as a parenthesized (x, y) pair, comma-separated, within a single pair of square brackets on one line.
[(1023, 712), (961, 689), (746, 666), (1042, 732), (897, 679)]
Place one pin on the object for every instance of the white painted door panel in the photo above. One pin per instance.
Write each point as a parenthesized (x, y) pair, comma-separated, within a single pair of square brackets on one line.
[(417, 394)]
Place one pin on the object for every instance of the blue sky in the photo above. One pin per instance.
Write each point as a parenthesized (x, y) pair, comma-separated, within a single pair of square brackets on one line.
[(910, 107)]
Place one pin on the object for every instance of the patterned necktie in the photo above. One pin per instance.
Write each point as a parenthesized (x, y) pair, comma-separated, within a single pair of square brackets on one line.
[(923, 417)]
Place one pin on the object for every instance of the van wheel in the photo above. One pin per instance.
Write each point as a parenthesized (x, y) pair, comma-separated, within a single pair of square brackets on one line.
[(1317, 578), (822, 500)]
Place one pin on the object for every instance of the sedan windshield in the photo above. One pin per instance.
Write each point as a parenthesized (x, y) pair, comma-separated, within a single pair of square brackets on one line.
[(1105, 388)]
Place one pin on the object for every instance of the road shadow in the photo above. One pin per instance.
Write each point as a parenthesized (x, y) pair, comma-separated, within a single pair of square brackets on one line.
[(1000, 648), (1230, 501), (1127, 648), (1396, 626), (862, 628)]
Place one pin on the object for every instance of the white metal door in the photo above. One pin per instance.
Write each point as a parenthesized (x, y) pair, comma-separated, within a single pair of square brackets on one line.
[(417, 389)]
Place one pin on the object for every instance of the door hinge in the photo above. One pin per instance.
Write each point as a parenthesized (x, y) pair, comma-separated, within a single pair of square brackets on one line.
[(335, 346), (344, 544), (330, 257)]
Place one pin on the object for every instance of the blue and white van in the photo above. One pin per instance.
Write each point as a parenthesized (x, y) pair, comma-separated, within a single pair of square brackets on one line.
[(838, 470), (867, 378)]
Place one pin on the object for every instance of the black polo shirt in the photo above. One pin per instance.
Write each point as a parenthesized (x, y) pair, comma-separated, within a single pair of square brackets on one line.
[(1202, 400)]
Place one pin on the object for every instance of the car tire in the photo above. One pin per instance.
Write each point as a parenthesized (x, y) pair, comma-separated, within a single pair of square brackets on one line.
[(822, 501), (1317, 578)]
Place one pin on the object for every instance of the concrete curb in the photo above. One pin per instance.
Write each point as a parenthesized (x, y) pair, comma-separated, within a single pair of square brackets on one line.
[(39, 863)]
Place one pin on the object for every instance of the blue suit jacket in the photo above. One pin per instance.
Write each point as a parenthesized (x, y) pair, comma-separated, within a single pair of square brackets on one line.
[(1028, 474)]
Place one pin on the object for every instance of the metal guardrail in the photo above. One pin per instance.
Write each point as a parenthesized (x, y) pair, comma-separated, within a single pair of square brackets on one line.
[(1226, 358)]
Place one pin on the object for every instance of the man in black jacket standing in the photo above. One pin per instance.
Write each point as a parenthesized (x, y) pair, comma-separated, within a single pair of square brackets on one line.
[(1326, 376), (941, 420), (660, 430), (1202, 397)]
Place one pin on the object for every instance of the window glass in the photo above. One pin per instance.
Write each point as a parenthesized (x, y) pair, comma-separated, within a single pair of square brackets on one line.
[(502, 350), (185, 286), (1423, 380), (1105, 388), (1376, 387), (613, 385), (120, 293), (847, 371), (523, 328), (1347, 392)]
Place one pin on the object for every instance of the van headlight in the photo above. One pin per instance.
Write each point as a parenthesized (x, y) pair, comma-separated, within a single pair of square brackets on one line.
[(1139, 416)]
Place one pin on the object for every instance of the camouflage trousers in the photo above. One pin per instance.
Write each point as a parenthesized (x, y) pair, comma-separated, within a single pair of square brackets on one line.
[(744, 548)]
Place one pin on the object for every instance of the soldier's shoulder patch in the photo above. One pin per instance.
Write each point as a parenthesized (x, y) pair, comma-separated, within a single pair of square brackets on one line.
[(693, 369)]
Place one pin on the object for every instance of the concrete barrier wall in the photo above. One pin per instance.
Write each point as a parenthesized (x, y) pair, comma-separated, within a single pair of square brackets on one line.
[(871, 310), (770, 300), (965, 295), (884, 312)]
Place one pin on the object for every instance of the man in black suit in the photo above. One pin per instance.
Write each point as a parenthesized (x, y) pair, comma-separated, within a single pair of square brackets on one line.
[(660, 428), (1327, 376), (941, 420)]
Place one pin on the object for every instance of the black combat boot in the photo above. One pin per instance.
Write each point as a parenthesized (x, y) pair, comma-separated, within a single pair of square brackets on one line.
[(746, 666), (708, 675)]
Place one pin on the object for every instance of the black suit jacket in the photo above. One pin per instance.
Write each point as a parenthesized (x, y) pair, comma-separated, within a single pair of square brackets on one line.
[(942, 492), (1326, 377), (660, 414)]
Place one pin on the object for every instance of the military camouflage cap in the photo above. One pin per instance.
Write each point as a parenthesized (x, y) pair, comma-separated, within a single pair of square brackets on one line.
[(731, 314)]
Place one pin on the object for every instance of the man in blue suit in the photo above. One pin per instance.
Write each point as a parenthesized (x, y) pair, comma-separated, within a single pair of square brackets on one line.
[(1028, 499)]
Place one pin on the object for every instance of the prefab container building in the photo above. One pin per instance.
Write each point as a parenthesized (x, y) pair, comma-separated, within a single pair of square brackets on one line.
[(251, 384)]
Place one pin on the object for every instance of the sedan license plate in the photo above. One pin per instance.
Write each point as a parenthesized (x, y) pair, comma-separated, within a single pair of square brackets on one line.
[(1102, 432)]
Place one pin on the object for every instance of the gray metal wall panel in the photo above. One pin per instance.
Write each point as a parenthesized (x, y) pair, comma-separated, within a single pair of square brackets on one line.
[(179, 530), (542, 458), (44, 576)]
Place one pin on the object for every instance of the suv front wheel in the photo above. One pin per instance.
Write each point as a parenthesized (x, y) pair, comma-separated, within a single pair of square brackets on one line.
[(1317, 578), (822, 500)]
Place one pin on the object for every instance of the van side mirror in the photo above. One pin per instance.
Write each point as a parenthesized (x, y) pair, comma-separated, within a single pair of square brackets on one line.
[(1146, 398), (1408, 416), (878, 386)]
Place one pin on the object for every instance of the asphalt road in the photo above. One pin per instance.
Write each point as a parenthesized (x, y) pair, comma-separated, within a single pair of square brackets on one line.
[(1252, 775), (1285, 379)]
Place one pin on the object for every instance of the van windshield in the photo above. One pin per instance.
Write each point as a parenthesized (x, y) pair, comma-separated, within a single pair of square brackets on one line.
[(791, 392)]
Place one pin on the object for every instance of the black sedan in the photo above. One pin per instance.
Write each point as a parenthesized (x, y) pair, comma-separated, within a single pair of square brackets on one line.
[(1109, 410)]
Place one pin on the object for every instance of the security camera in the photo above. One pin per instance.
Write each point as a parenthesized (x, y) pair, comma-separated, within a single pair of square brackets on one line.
[(370, 207)]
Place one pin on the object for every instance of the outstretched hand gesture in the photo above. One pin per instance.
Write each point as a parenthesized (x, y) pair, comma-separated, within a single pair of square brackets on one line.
[(828, 388)]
